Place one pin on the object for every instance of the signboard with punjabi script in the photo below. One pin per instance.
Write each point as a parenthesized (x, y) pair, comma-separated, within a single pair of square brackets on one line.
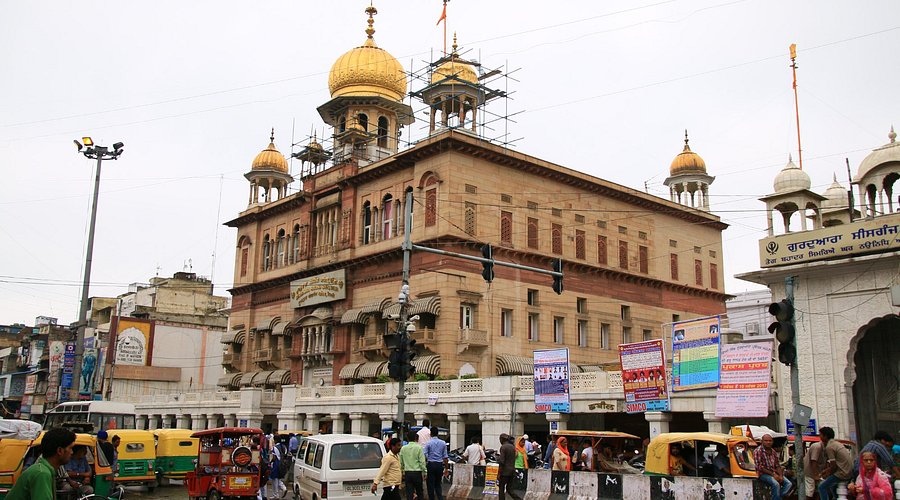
[(326, 287), (644, 376), (744, 382), (695, 354), (865, 236)]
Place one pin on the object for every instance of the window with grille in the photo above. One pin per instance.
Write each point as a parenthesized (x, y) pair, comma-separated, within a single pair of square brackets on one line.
[(579, 244), (466, 316), (470, 219), (533, 326), (505, 198), (556, 212), (506, 228), (673, 243), (713, 276), (601, 224), (601, 250), (698, 250), (430, 207), (712, 253), (582, 333), (623, 254), (642, 235), (506, 317), (245, 255), (532, 233), (387, 217), (558, 329), (644, 259), (471, 189), (673, 265), (698, 272), (604, 335), (623, 230), (579, 219), (556, 238), (532, 205)]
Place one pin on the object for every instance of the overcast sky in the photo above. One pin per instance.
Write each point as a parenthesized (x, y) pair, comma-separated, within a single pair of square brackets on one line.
[(192, 89)]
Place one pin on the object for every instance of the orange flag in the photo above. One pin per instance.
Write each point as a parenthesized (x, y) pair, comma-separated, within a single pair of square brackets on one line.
[(443, 15)]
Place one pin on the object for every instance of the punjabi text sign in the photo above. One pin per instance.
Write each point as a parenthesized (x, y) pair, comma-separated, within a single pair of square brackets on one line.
[(644, 376), (318, 289), (695, 354), (744, 381)]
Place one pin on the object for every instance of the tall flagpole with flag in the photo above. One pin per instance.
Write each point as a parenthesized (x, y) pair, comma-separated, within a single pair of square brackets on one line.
[(444, 18), (796, 103)]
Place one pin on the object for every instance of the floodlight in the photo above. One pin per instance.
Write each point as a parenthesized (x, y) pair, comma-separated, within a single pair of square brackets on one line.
[(87, 141)]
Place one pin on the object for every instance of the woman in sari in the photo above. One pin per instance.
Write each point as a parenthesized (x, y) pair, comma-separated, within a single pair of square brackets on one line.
[(562, 460), (872, 483), (521, 453)]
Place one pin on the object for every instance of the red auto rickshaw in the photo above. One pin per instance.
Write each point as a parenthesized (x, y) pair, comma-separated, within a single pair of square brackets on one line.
[(227, 465)]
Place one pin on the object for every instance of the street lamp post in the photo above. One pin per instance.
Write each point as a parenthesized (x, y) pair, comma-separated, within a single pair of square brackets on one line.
[(99, 153)]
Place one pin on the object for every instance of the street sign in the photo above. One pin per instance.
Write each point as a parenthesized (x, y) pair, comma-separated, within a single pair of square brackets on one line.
[(810, 429), (801, 414), (242, 422)]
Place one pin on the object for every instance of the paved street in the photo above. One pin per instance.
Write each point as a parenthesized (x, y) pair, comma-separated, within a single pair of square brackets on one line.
[(164, 492)]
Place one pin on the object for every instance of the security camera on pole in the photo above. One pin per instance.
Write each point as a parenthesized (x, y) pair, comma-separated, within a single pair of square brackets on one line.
[(99, 153)]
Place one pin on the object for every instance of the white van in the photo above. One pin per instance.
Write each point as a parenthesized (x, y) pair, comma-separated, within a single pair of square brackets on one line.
[(334, 466)]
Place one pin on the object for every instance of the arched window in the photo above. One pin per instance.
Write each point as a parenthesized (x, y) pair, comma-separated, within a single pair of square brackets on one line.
[(382, 132), (295, 243), (342, 124), (367, 222), (387, 217), (280, 252), (363, 121), (267, 252)]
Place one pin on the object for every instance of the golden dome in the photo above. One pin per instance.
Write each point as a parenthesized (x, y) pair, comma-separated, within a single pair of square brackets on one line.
[(454, 67), (270, 158), (367, 70), (687, 162)]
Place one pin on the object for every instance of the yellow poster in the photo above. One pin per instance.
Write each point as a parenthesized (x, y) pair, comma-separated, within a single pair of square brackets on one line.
[(133, 341)]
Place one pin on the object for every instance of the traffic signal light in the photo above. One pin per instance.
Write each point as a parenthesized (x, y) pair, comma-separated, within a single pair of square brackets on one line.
[(557, 280), (395, 365), (392, 340), (400, 365), (784, 331), (488, 272)]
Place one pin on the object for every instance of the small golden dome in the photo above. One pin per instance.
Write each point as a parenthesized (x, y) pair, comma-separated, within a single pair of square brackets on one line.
[(687, 162), (455, 67), (367, 70), (270, 158)]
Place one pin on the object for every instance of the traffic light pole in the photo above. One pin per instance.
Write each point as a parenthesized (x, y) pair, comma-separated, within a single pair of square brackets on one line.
[(795, 400), (404, 305)]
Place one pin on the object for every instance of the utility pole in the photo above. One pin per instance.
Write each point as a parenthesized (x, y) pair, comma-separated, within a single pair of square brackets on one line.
[(99, 153), (795, 401)]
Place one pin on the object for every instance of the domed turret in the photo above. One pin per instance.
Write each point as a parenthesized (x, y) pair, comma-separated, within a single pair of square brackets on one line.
[(368, 70), (688, 181), (791, 178), (270, 158), (835, 196), (454, 70), (454, 93), (268, 172), (687, 162)]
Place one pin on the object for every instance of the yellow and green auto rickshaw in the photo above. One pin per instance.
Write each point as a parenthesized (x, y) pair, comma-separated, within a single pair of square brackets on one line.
[(668, 453), (176, 451), (137, 457), (17, 455)]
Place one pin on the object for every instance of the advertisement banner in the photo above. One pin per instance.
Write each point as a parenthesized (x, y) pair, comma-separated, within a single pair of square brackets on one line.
[(88, 367), (68, 369), (695, 354), (30, 383), (132, 341), (744, 385), (643, 367), (551, 381)]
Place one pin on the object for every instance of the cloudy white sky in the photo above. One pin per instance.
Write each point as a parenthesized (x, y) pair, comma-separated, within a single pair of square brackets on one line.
[(192, 89)]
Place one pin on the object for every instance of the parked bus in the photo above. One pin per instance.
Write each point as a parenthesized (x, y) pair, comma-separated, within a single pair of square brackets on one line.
[(101, 415)]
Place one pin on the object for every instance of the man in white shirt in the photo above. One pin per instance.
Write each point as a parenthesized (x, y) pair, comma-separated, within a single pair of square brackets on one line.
[(528, 447), (474, 454), (424, 433)]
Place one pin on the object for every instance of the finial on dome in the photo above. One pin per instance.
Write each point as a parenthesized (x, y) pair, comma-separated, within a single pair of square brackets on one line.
[(686, 140), (371, 11), (892, 135), (833, 177), (272, 136), (790, 158), (454, 44)]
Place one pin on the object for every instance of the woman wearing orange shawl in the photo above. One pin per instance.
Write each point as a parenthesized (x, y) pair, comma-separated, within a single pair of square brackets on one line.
[(561, 458), (521, 453)]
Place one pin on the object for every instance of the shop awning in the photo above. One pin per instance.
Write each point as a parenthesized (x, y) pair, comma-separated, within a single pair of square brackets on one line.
[(349, 371), (429, 365), (240, 337), (361, 314), (263, 324), (246, 378), (259, 378), (508, 364), (370, 369), (278, 329), (279, 377), (228, 337), (230, 380), (425, 305)]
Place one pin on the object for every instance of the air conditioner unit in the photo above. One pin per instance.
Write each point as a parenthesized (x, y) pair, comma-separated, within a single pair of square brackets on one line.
[(752, 328)]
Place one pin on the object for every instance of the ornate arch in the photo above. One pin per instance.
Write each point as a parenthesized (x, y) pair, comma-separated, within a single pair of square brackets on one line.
[(850, 370), (429, 178)]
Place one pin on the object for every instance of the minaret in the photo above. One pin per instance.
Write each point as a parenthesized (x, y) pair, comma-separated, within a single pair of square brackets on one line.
[(454, 93), (688, 181), (268, 172)]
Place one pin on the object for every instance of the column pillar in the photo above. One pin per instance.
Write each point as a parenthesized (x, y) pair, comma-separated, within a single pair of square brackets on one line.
[(140, 421), (420, 418), (659, 422), (359, 424), (231, 420), (492, 425), (198, 422), (714, 423), (457, 430), (151, 422), (337, 423), (312, 423), (561, 421), (387, 420), (181, 422)]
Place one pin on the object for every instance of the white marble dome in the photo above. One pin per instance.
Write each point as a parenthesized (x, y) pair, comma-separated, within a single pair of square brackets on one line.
[(835, 196), (791, 178), (889, 153)]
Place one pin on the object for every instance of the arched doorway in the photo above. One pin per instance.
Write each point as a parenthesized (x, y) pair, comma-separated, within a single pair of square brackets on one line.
[(876, 387)]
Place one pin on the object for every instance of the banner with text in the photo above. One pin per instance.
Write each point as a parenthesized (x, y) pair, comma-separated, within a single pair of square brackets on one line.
[(551, 381), (644, 376), (744, 381), (695, 354)]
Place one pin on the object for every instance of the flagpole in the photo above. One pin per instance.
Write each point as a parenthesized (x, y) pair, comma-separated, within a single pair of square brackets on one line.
[(444, 18), (796, 103)]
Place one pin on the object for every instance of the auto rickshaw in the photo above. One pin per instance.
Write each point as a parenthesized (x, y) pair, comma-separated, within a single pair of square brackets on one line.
[(617, 442), (17, 454), (695, 446), (175, 454), (228, 464), (137, 457)]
